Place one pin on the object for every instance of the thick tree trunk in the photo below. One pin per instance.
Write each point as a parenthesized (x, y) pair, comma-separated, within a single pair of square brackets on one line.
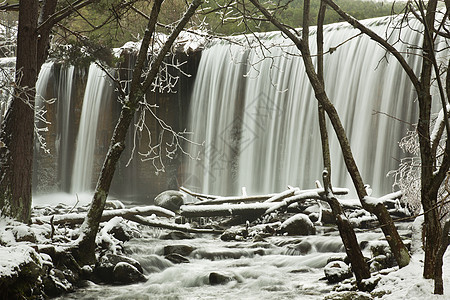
[(16, 148)]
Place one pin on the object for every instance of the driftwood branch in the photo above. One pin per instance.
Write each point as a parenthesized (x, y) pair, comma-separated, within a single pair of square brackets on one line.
[(268, 198), (76, 218), (159, 224), (193, 211), (197, 195)]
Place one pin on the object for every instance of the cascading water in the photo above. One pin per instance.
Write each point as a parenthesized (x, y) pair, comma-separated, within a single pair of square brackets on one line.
[(257, 113), (97, 91), (66, 117), (42, 96)]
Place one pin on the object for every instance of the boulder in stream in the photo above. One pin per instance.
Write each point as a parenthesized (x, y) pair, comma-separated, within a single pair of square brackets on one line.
[(124, 273), (299, 224), (171, 200), (337, 271), (184, 250), (216, 278), (104, 269)]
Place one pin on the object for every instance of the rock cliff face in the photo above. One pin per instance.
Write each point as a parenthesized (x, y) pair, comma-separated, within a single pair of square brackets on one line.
[(53, 169)]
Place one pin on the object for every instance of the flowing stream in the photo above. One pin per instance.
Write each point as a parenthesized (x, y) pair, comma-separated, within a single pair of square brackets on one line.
[(276, 268)]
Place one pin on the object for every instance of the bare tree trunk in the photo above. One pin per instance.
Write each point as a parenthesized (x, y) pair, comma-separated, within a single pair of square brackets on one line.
[(16, 149), (84, 248), (438, 283), (359, 266), (431, 177)]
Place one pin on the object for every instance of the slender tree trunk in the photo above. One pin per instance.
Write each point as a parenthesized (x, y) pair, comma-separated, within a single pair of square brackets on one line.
[(359, 266), (84, 249), (16, 148), (395, 242)]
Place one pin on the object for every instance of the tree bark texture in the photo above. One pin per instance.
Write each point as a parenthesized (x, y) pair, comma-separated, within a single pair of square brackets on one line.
[(438, 282), (16, 148)]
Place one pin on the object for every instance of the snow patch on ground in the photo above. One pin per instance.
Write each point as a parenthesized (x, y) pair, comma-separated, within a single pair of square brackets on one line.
[(408, 283)]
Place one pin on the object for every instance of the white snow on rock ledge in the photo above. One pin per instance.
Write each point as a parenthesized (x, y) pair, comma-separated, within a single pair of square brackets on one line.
[(13, 258), (187, 42)]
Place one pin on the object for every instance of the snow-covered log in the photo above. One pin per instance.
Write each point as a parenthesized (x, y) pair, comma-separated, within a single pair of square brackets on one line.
[(159, 224), (290, 200), (193, 211), (238, 199), (266, 198), (197, 195), (76, 218)]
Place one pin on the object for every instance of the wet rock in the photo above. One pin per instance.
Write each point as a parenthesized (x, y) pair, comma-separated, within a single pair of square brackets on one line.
[(177, 258), (125, 273), (304, 247), (184, 250), (216, 278), (56, 283), (337, 271), (348, 295), (382, 257), (171, 200), (177, 235), (299, 224), (236, 233), (103, 271)]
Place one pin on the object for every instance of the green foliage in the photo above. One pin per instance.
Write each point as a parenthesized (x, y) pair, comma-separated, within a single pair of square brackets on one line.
[(290, 12)]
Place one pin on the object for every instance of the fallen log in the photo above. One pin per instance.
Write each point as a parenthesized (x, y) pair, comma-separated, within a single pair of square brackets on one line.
[(290, 200), (199, 196), (234, 199), (76, 218), (265, 198), (281, 195), (159, 224), (194, 211)]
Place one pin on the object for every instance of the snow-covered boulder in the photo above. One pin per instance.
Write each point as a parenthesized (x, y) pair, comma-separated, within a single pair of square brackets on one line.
[(171, 200), (337, 271), (299, 224), (20, 270)]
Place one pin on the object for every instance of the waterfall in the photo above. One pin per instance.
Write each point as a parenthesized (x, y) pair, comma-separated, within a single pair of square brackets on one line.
[(65, 113), (257, 115), (43, 95), (98, 90)]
